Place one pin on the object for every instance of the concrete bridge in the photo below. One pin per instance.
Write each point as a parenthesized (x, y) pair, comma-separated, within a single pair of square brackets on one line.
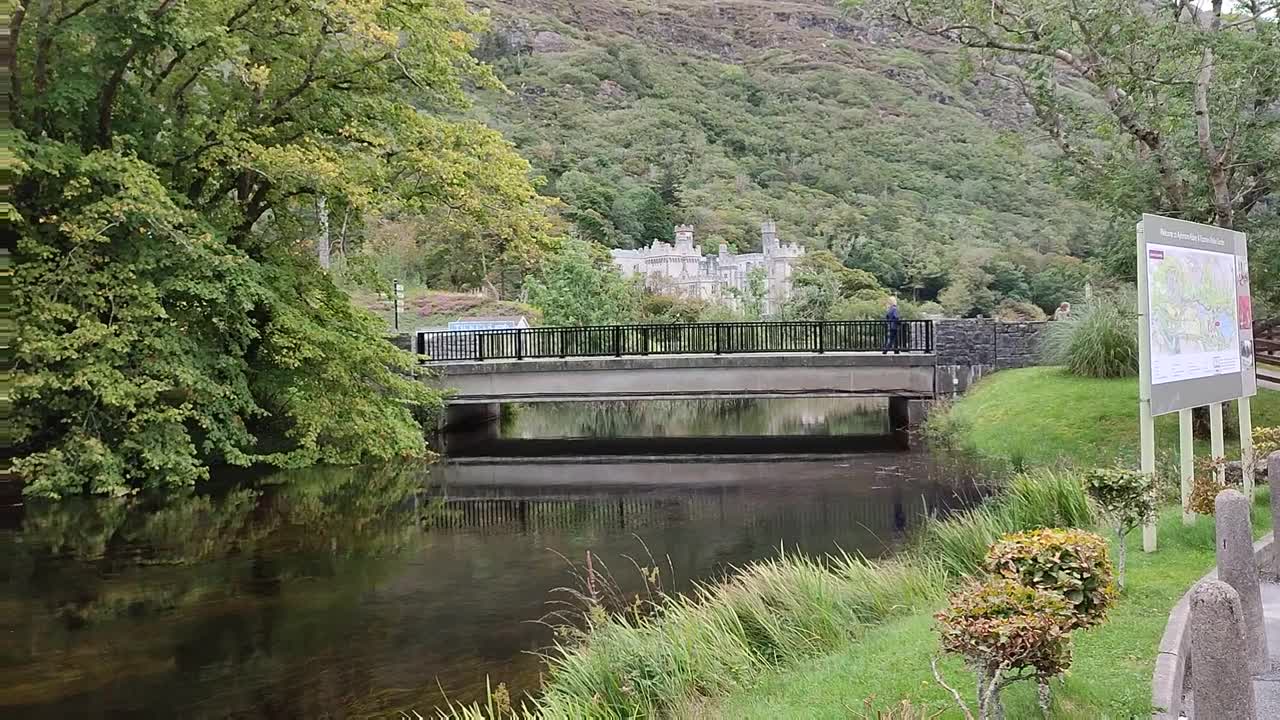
[(484, 369)]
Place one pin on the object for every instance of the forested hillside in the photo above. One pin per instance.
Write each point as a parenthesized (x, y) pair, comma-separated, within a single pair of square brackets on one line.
[(890, 150)]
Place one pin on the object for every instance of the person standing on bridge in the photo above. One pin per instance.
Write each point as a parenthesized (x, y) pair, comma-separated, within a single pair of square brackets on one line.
[(891, 318)]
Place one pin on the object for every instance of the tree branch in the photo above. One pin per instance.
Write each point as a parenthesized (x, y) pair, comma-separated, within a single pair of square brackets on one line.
[(964, 708), (1214, 160)]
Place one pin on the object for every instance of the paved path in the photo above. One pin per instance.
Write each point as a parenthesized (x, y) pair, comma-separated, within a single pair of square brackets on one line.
[(1266, 689)]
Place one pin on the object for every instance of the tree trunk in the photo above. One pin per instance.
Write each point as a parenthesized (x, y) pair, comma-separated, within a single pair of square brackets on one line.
[(322, 242), (1044, 696), (1121, 555)]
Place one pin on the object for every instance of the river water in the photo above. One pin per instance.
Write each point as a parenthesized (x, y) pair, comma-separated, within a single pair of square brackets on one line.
[(365, 592)]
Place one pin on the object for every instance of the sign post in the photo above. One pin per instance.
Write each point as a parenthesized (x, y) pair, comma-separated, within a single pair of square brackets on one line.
[(398, 292), (1195, 340), (1187, 463)]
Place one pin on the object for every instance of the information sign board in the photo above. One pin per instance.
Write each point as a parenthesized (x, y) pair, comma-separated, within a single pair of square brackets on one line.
[(1197, 344)]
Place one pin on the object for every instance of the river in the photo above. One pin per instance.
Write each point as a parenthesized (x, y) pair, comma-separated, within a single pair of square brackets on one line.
[(365, 592)]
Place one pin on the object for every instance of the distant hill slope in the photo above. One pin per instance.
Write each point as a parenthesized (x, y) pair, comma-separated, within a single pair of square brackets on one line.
[(854, 137)]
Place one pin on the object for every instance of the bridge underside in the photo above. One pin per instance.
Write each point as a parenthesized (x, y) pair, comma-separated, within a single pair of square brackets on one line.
[(689, 376)]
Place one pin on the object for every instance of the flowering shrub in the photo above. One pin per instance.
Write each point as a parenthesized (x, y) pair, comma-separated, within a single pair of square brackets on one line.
[(1071, 563)]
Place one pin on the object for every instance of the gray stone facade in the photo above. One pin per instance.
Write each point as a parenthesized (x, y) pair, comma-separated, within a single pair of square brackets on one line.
[(969, 349)]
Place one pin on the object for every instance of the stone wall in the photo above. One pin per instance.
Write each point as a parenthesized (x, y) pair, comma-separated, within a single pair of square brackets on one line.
[(969, 349), (1018, 344)]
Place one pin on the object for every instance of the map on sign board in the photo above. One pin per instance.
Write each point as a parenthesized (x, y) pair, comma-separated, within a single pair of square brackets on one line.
[(1194, 327)]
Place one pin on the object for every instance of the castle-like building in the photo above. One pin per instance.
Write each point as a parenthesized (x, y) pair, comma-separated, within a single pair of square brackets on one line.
[(682, 269)]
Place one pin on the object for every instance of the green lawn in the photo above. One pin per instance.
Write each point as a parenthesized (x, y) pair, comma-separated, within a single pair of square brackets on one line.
[(1110, 676), (1042, 416)]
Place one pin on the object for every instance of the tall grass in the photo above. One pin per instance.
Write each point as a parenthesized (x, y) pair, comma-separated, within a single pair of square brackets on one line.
[(1036, 499), (724, 636), (1098, 340)]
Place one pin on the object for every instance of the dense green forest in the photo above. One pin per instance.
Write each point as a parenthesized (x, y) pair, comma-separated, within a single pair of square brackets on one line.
[(895, 155)]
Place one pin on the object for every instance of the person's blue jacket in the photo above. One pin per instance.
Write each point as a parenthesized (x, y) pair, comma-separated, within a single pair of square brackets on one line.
[(892, 316)]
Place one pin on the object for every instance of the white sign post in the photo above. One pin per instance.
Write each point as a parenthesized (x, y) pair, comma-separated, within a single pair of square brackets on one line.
[(1195, 339)]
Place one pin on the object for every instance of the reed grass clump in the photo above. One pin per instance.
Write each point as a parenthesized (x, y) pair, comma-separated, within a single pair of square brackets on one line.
[(1041, 498), (1098, 340)]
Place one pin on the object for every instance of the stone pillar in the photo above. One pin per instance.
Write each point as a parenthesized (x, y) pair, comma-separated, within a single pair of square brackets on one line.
[(1221, 681), (1237, 568), (1273, 484)]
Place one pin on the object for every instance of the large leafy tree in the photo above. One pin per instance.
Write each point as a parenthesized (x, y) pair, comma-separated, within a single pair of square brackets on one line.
[(173, 314), (1163, 106), (580, 286)]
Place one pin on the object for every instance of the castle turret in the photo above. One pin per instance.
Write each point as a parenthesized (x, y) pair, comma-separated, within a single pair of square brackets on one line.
[(769, 236), (684, 237)]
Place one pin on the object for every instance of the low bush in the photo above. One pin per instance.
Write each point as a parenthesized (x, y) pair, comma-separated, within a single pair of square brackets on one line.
[(1097, 340), (1128, 498), (1266, 440), (1019, 311), (1072, 563), (1007, 631)]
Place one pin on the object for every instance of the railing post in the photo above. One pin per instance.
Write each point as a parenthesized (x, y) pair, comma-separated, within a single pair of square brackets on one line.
[(644, 340), (717, 332), (560, 334), (617, 341), (479, 347), (821, 346), (519, 344)]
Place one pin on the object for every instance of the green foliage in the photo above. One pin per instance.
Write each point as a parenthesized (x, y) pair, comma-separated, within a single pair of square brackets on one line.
[(580, 285), (1135, 133), (1036, 499), (751, 299), (1019, 311), (1001, 625), (1071, 563), (1126, 496), (656, 308), (1098, 340), (822, 287), (172, 314), (886, 156)]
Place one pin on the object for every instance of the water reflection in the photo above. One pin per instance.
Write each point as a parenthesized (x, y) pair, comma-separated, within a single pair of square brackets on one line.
[(690, 428), (349, 593), (698, 418)]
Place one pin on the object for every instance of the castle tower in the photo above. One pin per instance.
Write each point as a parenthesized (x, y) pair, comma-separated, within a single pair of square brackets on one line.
[(769, 236), (684, 237)]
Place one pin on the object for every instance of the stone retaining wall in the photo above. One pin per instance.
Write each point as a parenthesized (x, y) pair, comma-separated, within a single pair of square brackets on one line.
[(969, 349)]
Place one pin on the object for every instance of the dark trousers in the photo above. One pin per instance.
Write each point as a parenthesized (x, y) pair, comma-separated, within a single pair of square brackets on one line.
[(892, 338)]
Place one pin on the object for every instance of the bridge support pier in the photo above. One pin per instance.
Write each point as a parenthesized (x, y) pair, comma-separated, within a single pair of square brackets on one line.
[(907, 414)]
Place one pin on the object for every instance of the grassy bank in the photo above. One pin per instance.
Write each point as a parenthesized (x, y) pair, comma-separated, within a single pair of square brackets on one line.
[(1110, 677), (1040, 416)]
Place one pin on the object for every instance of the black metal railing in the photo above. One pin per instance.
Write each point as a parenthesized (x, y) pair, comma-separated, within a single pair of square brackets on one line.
[(913, 336)]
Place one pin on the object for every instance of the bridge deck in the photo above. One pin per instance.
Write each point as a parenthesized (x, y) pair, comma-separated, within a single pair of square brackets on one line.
[(655, 377)]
